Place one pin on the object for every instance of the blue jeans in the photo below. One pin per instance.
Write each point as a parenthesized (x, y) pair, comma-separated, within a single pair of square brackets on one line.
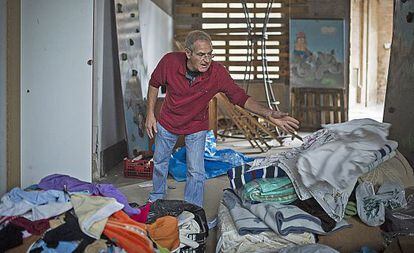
[(194, 144)]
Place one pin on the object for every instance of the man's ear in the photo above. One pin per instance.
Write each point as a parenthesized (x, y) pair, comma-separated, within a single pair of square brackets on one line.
[(188, 53)]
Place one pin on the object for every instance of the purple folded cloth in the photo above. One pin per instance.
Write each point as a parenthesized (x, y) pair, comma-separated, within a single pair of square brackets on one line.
[(71, 184)]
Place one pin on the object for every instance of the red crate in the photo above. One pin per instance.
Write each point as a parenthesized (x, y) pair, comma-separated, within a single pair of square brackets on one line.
[(138, 169)]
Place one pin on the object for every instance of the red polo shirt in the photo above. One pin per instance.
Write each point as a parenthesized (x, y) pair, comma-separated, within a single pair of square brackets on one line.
[(185, 107)]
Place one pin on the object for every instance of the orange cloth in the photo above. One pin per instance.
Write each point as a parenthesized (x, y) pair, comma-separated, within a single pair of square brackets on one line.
[(164, 231), (128, 234)]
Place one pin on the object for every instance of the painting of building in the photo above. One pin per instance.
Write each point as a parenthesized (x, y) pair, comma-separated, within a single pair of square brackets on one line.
[(317, 53)]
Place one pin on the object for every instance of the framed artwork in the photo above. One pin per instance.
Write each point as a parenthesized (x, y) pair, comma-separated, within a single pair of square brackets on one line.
[(317, 53)]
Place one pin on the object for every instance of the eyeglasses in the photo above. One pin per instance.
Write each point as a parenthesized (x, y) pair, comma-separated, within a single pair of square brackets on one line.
[(207, 56)]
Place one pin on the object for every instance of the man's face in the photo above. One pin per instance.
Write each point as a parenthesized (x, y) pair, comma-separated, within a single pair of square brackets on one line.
[(200, 58)]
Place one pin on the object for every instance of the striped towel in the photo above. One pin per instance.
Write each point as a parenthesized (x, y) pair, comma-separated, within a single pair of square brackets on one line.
[(241, 175), (278, 190)]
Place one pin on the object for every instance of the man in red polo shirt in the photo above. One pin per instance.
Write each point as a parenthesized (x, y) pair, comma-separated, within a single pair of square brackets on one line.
[(192, 79)]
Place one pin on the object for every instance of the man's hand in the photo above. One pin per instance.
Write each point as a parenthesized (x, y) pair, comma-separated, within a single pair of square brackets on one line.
[(281, 119), (286, 123), (151, 125)]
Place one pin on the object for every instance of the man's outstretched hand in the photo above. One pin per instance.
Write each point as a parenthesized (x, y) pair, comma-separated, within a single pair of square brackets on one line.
[(283, 121)]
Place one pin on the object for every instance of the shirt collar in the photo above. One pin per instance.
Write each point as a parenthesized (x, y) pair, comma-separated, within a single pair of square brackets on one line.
[(182, 69)]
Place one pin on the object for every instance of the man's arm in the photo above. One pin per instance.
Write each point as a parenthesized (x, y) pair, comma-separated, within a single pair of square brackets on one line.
[(281, 119), (151, 121)]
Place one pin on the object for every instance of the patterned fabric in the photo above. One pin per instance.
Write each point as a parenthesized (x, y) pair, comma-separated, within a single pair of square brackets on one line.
[(396, 169), (331, 171), (289, 159), (286, 161), (244, 220), (230, 241), (243, 174), (128, 234), (371, 206), (384, 154), (270, 190), (362, 145), (288, 219)]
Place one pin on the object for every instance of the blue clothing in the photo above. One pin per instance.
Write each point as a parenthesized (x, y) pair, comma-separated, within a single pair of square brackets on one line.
[(38, 197), (194, 144), (62, 247)]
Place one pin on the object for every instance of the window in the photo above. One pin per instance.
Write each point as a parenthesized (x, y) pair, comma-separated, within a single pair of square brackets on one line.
[(226, 23)]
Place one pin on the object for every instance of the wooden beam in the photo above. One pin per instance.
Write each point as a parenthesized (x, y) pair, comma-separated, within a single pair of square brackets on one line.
[(13, 94)]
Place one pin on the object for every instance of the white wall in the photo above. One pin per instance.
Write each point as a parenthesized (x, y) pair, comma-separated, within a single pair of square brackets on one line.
[(113, 129), (157, 35), (3, 45), (109, 122)]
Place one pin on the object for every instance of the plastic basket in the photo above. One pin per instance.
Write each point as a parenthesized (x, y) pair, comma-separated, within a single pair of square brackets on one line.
[(138, 169)]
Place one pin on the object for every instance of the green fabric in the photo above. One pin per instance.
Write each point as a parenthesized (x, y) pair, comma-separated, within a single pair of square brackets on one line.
[(161, 249), (350, 209), (270, 190)]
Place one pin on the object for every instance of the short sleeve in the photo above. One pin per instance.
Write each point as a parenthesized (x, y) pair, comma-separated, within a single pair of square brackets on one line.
[(158, 76)]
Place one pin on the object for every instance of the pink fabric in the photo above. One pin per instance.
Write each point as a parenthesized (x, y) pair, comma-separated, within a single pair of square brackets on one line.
[(143, 214)]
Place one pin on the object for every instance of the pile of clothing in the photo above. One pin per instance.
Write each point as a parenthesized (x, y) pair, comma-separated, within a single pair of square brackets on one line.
[(69, 215), (293, 197)]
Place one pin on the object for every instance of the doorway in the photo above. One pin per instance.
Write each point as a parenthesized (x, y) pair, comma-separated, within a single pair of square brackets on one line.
[(370, 43)]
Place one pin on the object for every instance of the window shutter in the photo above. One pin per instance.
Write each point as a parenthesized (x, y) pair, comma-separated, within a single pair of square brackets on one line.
[(226, 23)]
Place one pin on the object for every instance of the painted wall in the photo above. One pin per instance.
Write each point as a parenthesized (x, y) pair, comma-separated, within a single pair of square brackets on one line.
[(3, 91)]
